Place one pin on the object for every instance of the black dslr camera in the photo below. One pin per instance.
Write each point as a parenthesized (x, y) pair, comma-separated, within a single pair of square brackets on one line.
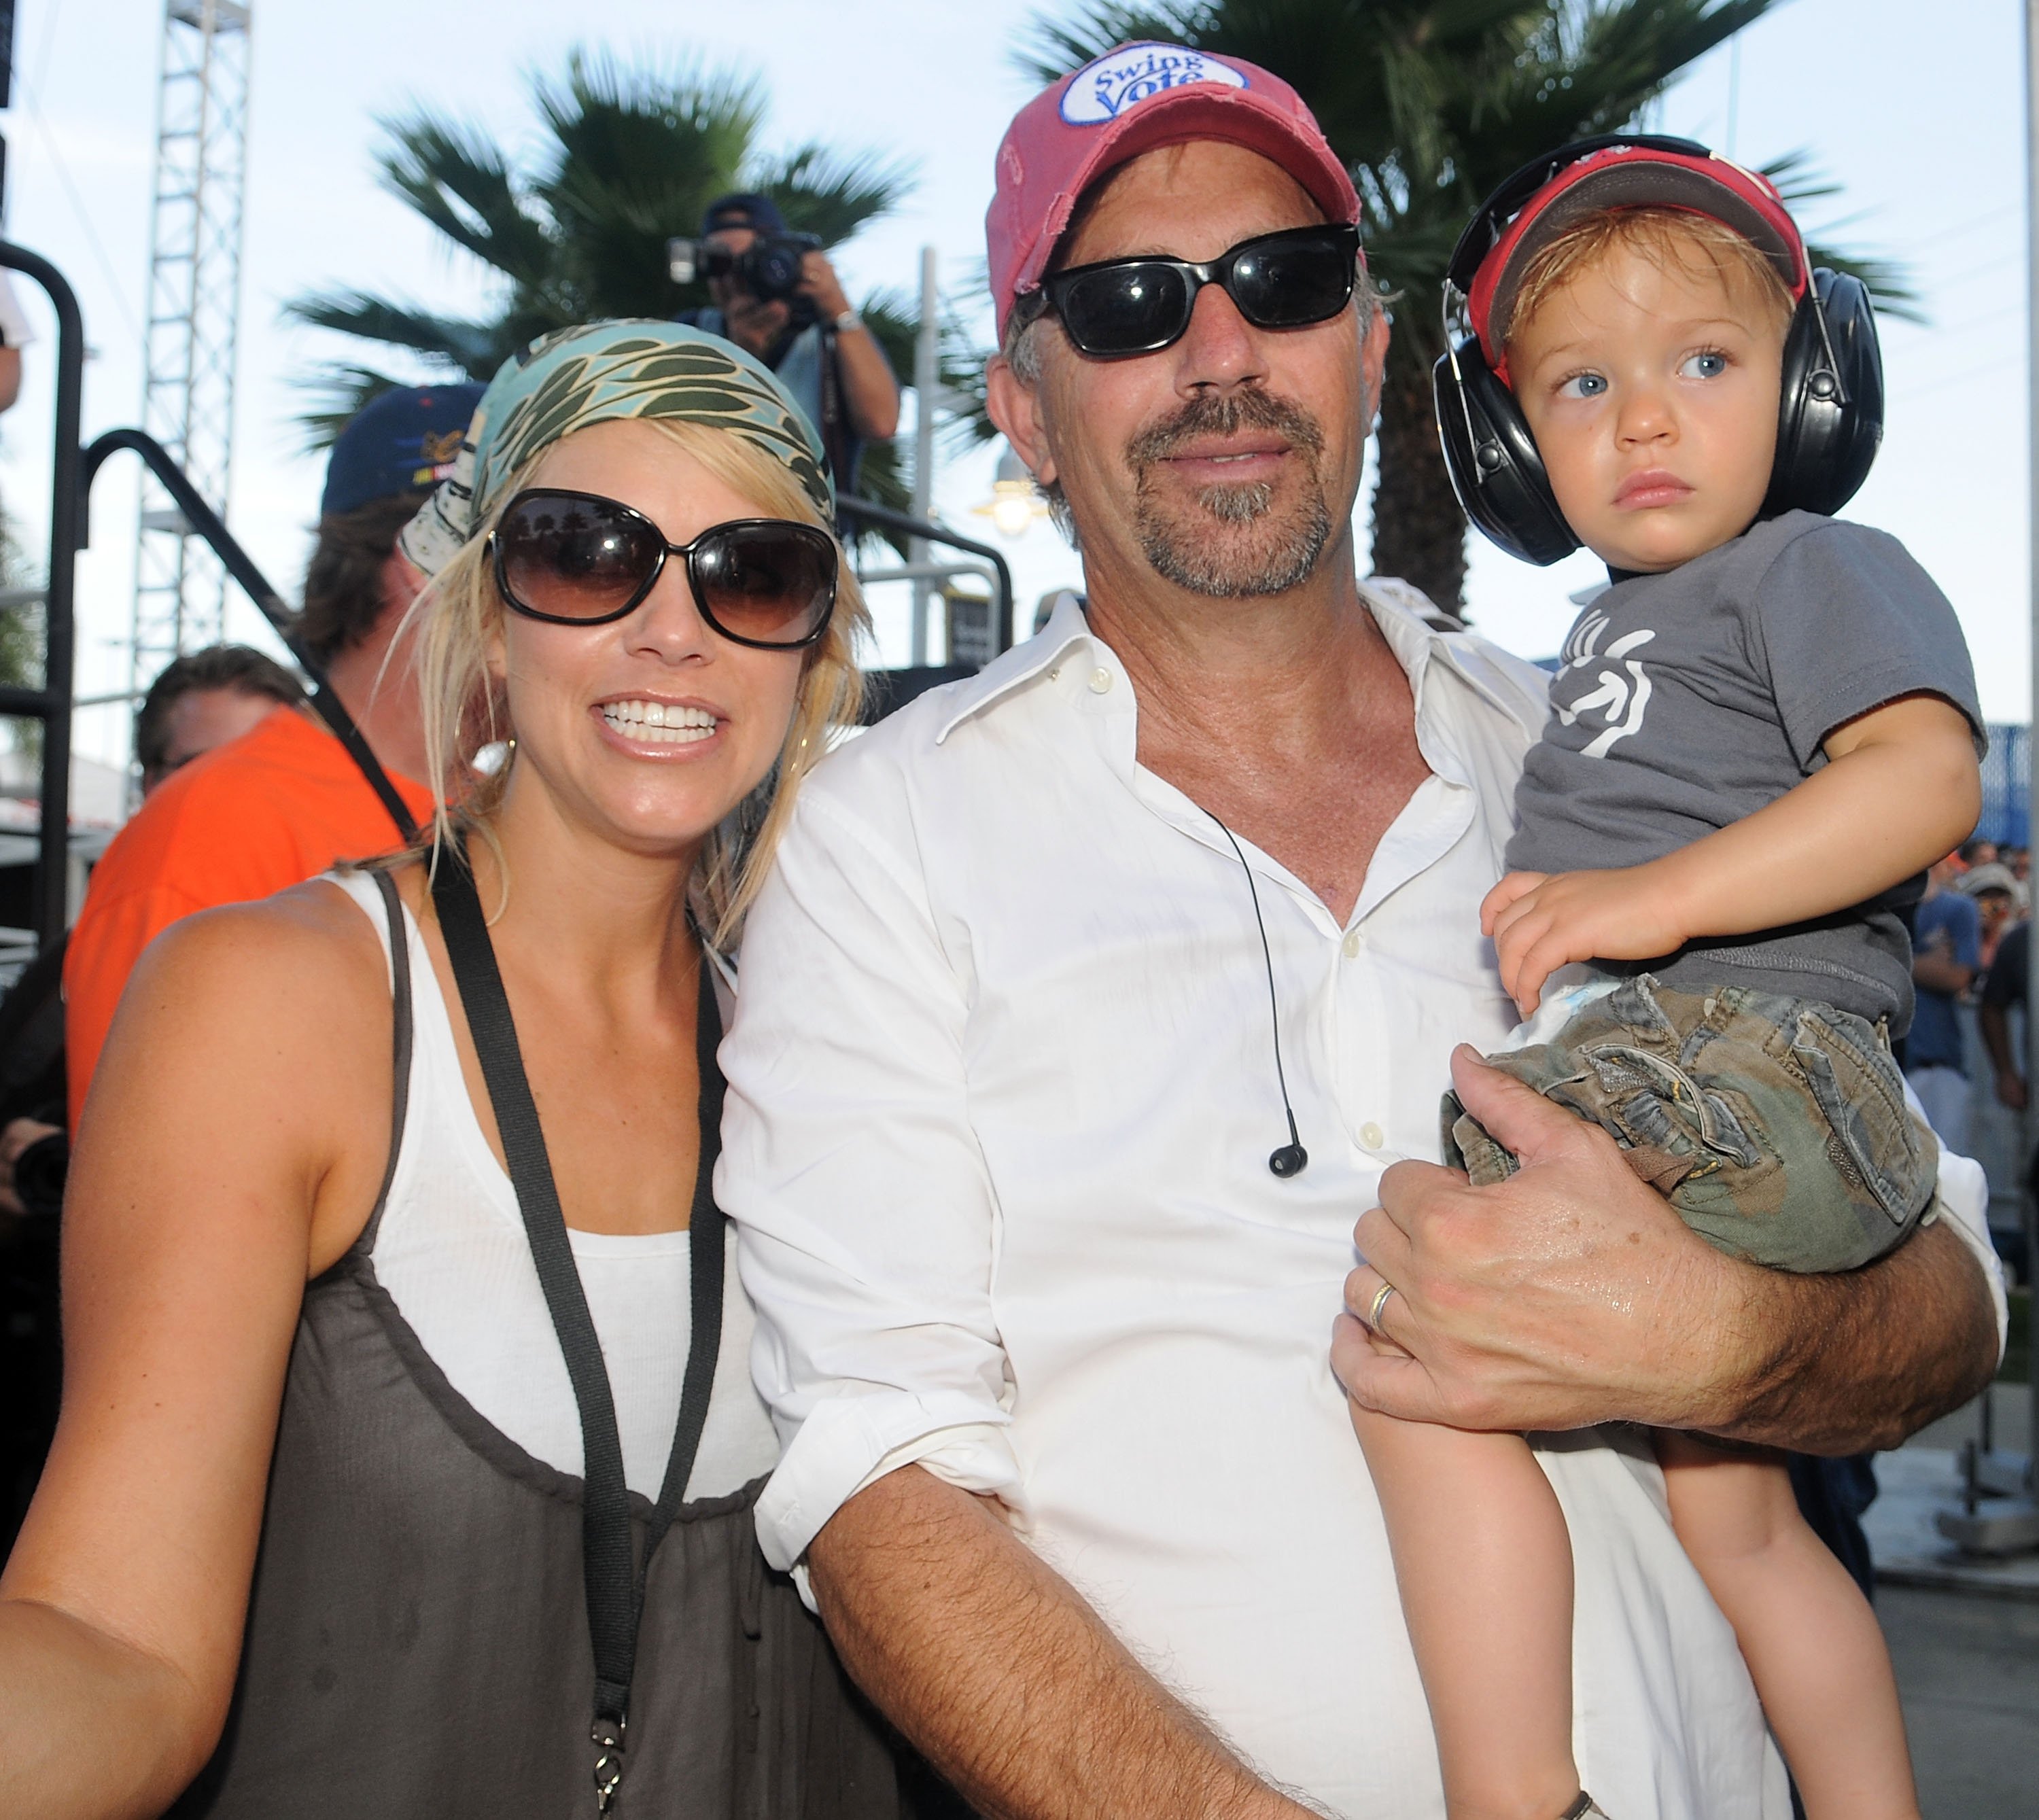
[(769, 269)]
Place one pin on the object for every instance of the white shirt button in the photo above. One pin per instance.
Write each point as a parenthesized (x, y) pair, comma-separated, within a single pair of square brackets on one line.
[(1353, 943), (1100, 680), (1372, 1136), (1055, 675)]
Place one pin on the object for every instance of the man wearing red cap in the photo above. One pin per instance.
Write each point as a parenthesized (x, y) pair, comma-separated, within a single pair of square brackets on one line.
[(1051, 956)]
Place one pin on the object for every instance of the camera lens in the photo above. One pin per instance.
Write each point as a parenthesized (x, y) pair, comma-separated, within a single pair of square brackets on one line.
[(39, 1172), (772, 266)]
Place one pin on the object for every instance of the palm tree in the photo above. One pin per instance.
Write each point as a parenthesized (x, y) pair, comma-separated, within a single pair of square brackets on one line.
[(578, 231), (1431, 103)]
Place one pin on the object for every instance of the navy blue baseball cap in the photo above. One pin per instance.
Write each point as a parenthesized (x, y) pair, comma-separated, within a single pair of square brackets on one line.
[(744, 211), (406, 442)]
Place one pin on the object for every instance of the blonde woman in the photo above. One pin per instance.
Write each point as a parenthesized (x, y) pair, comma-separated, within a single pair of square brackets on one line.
[(402, 1299)]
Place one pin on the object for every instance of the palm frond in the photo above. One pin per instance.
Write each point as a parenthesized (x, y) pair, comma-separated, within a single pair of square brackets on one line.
[(459, 181), (636, 156), (344, 389), (475, 348), (633, 155), (1052, 47), (1889, 282), (1892, 283), (830, 193)]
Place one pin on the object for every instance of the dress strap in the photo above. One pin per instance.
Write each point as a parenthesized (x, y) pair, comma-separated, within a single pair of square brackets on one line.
[(613, 1583), (400, 1043)]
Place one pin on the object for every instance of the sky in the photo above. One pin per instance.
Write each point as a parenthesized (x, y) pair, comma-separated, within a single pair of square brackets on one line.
[(1916, 112)]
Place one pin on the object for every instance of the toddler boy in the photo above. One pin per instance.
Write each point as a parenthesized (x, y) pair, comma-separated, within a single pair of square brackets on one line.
[(1762, 733)]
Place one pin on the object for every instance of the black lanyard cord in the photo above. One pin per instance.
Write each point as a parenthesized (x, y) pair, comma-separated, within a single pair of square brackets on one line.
[(614, 1582)]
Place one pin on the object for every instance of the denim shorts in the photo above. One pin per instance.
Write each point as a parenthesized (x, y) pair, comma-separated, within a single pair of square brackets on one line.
[(1776, 1126)]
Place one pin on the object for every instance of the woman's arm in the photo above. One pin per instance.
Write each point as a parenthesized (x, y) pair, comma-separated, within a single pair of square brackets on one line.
[(237, 1125), (1900, 790)]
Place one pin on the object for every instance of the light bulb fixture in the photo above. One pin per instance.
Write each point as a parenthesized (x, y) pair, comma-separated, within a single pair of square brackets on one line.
[(1015, 501), (1014, 507)]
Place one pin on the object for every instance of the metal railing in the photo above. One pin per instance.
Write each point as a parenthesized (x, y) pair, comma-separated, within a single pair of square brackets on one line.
[(990, 562), (73, 469), (51, 704), (207, 524)]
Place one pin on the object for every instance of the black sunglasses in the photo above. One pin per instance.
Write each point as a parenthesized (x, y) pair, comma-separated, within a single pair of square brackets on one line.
[(1125, 306), (580, 559)]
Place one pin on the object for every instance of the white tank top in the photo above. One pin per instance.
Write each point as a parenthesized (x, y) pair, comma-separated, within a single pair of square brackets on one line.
[(451, 1251)]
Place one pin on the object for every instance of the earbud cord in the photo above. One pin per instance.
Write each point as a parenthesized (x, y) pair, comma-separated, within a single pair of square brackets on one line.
[(1273, 1004)]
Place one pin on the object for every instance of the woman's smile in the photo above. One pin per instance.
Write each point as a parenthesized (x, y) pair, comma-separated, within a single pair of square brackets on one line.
[(657, 728)]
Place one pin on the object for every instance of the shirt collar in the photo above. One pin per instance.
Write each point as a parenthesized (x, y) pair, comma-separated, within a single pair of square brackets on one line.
[(1416, 643), (1066, 626)]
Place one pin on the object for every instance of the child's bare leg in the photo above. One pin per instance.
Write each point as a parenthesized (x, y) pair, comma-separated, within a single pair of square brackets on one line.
[(1484, 1562), (1811, 1642)]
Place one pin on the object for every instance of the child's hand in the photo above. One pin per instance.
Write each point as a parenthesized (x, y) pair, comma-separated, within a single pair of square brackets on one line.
[(1541, 921)]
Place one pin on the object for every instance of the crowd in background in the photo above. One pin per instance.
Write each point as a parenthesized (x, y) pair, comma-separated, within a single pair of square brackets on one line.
[(1967, 1055)]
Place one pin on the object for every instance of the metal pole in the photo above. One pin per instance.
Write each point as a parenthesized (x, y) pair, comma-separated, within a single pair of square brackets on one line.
[(927, 381), (2030, 1201), (53, 850)]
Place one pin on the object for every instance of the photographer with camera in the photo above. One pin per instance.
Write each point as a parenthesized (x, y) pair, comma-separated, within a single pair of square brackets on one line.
[(776, 296)]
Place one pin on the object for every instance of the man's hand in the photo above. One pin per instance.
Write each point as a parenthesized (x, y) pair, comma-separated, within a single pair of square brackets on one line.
[(819, 284), (1541, 921), (1572, 1295), (2011, 1086), (1569, 1295)]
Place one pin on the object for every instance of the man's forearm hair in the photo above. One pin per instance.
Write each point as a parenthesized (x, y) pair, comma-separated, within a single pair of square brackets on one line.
[(1843, 1372), (994, 1668)]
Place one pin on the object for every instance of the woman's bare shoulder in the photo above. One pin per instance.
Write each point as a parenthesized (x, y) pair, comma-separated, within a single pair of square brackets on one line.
[(308, 955), (260, 1031)]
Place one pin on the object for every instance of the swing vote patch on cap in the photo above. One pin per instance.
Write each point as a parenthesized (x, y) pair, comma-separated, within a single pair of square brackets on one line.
[(1102, 91)]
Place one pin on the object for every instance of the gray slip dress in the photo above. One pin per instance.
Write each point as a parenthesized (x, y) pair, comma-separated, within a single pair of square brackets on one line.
[(418, 1642)]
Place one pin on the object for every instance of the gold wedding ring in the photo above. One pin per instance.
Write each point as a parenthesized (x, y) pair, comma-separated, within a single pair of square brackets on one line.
[(1380, 1296)]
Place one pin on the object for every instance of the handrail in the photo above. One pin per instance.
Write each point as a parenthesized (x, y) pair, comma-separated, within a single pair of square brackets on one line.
[(849, 505), (207, 524), (50, 704)]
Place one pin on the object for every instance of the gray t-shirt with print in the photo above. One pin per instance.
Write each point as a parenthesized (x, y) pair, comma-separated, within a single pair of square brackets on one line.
[(1690, 699)]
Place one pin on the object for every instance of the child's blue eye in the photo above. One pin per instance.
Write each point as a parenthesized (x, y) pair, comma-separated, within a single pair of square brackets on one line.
[(1583, 385), (1710, 365)]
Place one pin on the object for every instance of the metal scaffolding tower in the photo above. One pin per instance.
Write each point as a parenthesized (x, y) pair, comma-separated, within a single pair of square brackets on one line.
[(194, 319)]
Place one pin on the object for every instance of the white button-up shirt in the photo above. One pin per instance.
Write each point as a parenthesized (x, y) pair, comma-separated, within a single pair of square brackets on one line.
[(1002, 1093)]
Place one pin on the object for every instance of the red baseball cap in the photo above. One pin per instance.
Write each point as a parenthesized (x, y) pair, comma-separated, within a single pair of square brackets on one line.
[(1133, 99), (1633, 176)]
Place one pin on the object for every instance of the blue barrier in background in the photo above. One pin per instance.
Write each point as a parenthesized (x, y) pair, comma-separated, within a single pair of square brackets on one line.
[(2006, 787)]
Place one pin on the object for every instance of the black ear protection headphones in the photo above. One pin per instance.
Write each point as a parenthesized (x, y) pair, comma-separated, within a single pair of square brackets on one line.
[(1830, 419)]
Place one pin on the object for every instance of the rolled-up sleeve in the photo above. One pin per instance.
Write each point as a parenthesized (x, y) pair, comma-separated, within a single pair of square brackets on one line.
[(866, 1221), (1964, 1199), (1963, 1195)]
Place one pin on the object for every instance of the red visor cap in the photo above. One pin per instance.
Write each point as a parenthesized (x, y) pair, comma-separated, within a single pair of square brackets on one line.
[(1135, 98), (1629, 177)]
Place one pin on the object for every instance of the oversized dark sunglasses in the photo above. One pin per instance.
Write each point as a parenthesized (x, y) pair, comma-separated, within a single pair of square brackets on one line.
[(1125, 306), (580, 559)]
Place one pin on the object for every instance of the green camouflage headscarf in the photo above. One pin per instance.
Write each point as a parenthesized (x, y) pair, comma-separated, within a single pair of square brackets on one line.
[(572, 377)]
